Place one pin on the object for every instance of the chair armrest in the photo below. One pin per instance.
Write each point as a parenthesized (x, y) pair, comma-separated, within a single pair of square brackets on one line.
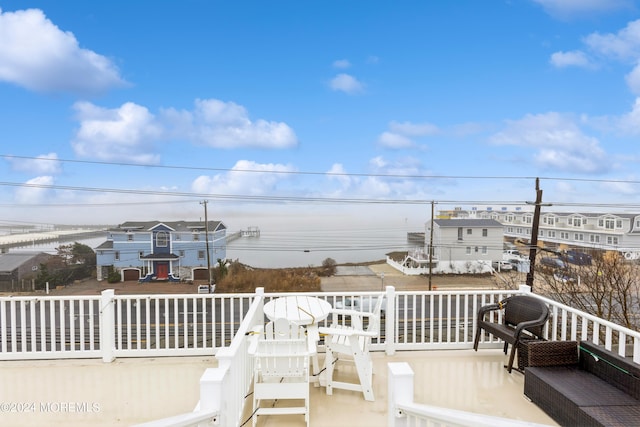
[(536, 322), (351, 312), (253, 337), (347, 332), (487, 308)]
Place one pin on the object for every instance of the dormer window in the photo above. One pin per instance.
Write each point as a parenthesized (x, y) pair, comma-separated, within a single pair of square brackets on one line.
[(162, 239)]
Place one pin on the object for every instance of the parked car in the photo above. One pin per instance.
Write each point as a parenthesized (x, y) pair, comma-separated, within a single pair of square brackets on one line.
[(578, 258), (361, 304), (563, 278), (502, 265), (553, 262), (512, 252)]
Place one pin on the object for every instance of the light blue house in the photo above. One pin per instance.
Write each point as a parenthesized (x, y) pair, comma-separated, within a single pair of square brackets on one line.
[(161, 250)]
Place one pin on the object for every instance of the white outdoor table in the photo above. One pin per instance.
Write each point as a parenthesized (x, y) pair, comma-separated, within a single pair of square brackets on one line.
[(299, 309), (302, 310)]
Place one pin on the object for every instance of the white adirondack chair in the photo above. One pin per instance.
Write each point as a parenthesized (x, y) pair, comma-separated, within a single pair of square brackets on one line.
[(350, 342), (281, 370)]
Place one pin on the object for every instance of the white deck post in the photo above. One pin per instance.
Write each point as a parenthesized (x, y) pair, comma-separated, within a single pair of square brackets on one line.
[(211, 393), (107, 325), (400, 390), (389, 321)]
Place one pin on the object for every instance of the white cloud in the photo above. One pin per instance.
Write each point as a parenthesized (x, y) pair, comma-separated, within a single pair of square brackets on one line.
[(627, 124), (127, 133), (574, 58), (219, 124), (413, 129), (400, 134), (37, 55), (620, 187), (347, 84), (395, 141), (43, 164), (338, 173), (246, 177), (341, 63), (564, 9), (625, 45), (30, 195), (633, 80), (559, 142)]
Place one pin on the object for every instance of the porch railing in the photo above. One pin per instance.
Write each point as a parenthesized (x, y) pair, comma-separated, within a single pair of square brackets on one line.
[(109, 326)]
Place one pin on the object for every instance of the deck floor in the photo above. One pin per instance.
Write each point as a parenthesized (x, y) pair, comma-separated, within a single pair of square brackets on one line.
[(130, 391)]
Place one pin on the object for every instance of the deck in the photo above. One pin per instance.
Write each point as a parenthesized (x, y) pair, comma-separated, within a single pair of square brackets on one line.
[(137, 390)]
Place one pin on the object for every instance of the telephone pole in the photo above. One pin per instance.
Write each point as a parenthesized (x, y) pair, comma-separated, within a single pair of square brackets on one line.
[(534, 233), (431, 247), (206, 236)]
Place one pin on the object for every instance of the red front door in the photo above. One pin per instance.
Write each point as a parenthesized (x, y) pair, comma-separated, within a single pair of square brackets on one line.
[(162, 271)]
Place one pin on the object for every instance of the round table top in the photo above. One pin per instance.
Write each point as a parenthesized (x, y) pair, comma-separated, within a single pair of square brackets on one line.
[(300, 309)]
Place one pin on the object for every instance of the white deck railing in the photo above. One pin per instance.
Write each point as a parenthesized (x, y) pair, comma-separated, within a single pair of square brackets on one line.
[(402, 411), (110, 326)]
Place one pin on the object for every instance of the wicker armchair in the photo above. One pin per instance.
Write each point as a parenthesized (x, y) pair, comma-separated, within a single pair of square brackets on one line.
[(523, 316)]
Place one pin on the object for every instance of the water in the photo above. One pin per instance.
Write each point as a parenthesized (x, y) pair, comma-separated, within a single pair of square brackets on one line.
[(292, 245), (302, 248)]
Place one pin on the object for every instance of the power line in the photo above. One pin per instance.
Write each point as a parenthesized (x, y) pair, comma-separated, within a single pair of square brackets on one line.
[(280, 172)]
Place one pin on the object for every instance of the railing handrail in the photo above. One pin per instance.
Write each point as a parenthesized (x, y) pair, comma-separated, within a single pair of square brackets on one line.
[(403, 411)]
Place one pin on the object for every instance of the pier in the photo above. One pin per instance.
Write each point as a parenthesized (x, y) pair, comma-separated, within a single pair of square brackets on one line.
[(28, 239)]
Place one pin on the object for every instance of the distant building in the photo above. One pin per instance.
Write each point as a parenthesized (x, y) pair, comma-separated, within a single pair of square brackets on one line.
[(18, 270), (161, 250), (466, 245), (563, 231)]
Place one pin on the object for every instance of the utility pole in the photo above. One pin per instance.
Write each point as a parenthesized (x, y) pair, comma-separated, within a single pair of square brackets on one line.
[(431, 248), (534, 234), (206, 236)]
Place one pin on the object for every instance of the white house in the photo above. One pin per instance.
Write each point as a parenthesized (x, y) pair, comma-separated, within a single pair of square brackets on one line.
[(465, 245)]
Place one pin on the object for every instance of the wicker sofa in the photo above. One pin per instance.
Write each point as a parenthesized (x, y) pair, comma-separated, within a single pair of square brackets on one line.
[(582, 384)]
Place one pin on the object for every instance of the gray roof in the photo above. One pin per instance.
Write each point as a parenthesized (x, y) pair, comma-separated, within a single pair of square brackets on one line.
[(173, 225), (467, 222), (13, 260), (105, 245)]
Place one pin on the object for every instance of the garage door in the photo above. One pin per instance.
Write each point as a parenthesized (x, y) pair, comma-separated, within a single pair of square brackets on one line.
[(131, 274), (200, 274)]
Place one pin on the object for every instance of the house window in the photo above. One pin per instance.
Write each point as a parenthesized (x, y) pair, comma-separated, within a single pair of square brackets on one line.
[(578, 237), (468, 250), (196, 237), (618, 223), (140, 254), (528, 219), (459, 233), (200, 254), (564, 235), (177, 236), (116, 255), (162, 239), (129, 237), (485, 232), (552, 234), (612, 240), (541, 233), (476, 249), (594, 238), (469, 231), (484, 250), (181, 253)]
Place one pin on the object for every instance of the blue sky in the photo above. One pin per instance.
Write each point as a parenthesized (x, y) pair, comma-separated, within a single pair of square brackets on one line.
[(156, 106)]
